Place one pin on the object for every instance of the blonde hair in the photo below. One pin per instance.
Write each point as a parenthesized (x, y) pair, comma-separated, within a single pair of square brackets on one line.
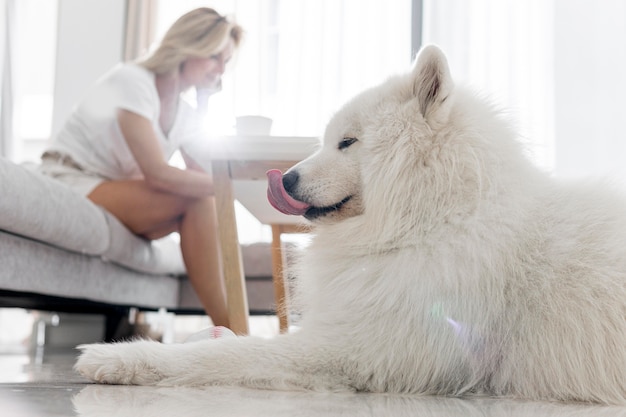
[(199, 33)]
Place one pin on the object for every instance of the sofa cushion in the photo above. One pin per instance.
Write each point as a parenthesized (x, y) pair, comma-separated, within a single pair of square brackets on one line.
[(32, 267)]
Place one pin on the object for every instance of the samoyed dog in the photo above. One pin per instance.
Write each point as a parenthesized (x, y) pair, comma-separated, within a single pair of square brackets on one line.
[(442, 262)]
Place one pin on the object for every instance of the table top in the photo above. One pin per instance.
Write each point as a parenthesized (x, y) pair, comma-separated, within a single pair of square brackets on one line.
[(250, 157), (262, 148)]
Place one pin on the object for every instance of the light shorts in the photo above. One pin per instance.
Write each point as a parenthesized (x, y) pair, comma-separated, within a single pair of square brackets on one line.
[(63, 169)]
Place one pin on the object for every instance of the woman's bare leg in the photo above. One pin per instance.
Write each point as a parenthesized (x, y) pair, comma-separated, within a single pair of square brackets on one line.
[(198, 239), (153, 214)]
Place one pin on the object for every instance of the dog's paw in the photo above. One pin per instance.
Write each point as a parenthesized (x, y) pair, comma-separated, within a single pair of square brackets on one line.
[(134, 363)]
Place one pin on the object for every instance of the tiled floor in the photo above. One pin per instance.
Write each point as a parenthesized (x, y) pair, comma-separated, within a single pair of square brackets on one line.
[(42, 384)]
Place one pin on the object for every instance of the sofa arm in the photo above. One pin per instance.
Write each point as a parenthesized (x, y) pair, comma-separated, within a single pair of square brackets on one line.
[(41, 208)]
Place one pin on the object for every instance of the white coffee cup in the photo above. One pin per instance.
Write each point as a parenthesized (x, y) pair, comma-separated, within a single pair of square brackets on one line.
[(253, 125)]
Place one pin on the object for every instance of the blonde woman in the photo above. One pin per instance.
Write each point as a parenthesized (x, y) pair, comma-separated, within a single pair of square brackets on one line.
[(115, 146)]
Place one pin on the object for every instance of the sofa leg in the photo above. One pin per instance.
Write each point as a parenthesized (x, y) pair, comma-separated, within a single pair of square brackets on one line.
[(118, 325)]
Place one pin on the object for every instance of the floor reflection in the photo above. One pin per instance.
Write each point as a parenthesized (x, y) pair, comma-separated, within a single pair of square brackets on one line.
[(100, 401)]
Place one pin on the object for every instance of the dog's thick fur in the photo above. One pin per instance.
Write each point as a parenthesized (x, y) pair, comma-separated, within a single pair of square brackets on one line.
[(442, 262)]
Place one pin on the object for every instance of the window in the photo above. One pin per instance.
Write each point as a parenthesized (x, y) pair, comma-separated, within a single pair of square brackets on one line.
[(34, 63)]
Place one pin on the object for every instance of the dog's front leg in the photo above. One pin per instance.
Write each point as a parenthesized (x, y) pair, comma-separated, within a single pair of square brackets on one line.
[(285, 362), (143, 362)]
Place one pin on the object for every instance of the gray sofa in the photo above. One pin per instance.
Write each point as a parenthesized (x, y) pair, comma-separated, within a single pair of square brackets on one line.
[(60, 252)]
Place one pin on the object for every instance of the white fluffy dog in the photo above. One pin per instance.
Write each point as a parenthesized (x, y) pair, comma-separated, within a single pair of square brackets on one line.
[(442, 262)]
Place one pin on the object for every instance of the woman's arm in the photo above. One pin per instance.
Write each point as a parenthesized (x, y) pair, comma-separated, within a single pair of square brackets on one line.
[(143, 143), (190, 162)]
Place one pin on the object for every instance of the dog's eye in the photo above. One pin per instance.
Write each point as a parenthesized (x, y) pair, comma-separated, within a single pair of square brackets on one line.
[(346, 142)]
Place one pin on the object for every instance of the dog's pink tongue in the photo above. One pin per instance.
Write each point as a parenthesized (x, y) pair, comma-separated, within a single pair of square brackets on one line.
[(278, 197)]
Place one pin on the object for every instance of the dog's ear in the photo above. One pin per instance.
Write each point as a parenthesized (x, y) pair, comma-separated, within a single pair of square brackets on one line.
[(432, 82)]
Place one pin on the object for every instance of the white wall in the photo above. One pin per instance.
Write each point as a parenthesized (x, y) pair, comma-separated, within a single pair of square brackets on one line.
[(90, 41)]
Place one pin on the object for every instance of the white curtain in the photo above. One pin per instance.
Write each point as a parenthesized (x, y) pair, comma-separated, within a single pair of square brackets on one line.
[(328, 51), (7, 42), (557, 65), (590, 86), (140, 27)]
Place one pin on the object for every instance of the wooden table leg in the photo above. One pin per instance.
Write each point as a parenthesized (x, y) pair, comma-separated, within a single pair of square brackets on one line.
[(230, 250), (278, 277)]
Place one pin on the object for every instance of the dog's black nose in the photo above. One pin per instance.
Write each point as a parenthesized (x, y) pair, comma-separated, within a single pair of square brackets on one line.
[(290, 179)]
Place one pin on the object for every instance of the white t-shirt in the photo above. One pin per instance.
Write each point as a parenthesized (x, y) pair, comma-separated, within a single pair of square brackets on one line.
[(91, 135)]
